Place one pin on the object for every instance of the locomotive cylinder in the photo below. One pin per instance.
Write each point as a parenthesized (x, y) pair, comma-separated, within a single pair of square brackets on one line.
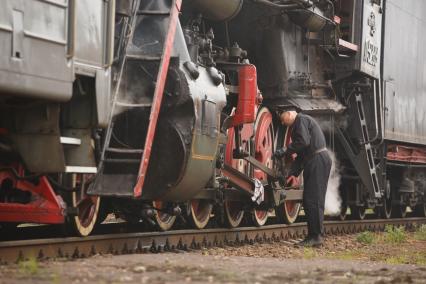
[(217, 10)]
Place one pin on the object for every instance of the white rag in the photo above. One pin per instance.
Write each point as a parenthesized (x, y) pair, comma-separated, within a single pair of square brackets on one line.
[(259, 192)]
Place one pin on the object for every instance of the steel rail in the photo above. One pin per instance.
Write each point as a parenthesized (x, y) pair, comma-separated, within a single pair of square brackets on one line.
[(126, 243)]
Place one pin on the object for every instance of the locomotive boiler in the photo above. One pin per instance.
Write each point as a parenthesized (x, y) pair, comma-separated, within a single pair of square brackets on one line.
[(159, 109)]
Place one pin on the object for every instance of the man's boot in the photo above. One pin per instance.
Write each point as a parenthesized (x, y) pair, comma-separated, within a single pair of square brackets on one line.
[(311, 241)]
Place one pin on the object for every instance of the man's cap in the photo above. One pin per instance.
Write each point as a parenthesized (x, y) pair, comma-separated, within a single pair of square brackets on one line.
[(289, 108)]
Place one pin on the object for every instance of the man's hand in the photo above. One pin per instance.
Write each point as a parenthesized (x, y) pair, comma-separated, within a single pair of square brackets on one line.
[(280, 153), (291, 180)]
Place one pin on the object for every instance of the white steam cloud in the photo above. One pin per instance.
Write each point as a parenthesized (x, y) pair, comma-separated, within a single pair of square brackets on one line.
[(333, 200)]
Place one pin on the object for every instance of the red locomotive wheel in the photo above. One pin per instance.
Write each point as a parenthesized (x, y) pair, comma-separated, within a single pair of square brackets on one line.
[(200, 211), (233, 210), (264, 149), (233, 213), (288, 211), (87, 206), (164, 220)]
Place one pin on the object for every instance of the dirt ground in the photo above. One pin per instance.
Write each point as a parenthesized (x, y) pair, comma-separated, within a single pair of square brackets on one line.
[(371, 258)]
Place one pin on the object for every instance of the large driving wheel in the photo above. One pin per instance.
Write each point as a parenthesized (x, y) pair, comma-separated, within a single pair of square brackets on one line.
[(264, 149), (234, 210), (163, 220), (88, 207), (200, 211), (288, 211)]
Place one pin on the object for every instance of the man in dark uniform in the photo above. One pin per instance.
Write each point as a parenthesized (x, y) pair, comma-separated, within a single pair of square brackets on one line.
[(308, 142)]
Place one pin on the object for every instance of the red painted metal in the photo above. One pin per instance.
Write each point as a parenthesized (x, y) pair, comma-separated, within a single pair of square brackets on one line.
[(337, 20), (264, 148), (406, 154), (246, 132), (291, 205), (45, 206), (234, 209), (247, 96), (158, 97), (264, 142)]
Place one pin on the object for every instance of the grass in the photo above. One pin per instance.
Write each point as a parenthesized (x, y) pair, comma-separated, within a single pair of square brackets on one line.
[(420, 233), (420, 258), (393, 246), (399, 259), (29, 267), (309, 253), (349, 255), (395, 235), (366, 237)]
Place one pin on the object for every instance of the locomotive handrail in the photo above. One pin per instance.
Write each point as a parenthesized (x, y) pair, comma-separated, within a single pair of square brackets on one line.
[(110, 33), (71, 28)]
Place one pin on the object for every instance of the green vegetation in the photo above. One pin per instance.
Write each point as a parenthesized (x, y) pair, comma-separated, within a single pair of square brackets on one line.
[(395, 235), (400, 259), (29, 267), (420, 258), (309, 253), (420, 233), (366, 237)]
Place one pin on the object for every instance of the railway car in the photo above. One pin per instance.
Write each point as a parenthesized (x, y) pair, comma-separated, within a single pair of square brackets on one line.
[(165, 110), (55, 82)]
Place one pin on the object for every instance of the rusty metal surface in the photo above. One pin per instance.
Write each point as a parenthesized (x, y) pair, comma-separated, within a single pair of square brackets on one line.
[(74, 247)]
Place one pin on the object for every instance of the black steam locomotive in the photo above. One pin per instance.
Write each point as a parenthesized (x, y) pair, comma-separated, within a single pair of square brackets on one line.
[(158, 109)]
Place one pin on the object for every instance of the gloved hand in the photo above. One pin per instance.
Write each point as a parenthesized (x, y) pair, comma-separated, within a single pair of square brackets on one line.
[(291, 181), (280, 153)]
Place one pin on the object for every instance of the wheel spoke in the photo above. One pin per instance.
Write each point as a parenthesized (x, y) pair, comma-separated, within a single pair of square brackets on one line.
[(200, 211), (164, 221), (264, 133), (288, 211)]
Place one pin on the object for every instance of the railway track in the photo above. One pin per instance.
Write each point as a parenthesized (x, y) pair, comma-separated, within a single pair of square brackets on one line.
[(178, 240)]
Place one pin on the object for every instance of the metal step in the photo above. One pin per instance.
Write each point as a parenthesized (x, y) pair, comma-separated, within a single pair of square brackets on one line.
[(81, 170), (122, 161), (153, 13), (124, 151), (131, 105), (70, 141), (143, 57)]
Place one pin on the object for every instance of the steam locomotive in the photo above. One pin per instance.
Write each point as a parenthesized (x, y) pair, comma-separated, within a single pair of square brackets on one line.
[(156, 109)]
